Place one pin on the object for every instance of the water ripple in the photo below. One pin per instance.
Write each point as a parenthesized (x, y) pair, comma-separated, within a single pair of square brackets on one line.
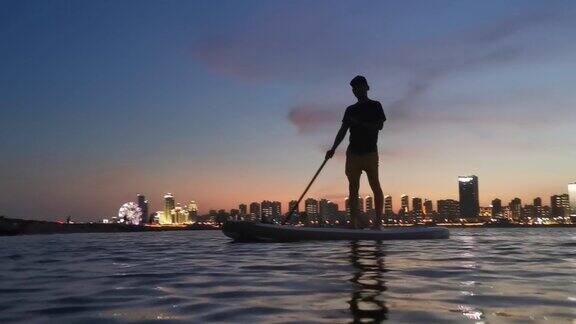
[(479, 275)]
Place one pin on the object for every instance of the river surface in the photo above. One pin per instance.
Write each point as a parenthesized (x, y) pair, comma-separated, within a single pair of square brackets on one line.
[(478, 275)]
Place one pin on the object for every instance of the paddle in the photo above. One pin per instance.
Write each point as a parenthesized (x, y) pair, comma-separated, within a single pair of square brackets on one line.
[(304, 193)]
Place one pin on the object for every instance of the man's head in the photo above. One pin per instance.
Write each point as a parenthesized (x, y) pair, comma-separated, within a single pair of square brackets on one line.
[(360, 86)]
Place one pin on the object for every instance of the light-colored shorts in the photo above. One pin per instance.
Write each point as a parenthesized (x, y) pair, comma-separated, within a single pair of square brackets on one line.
[(355, 164)]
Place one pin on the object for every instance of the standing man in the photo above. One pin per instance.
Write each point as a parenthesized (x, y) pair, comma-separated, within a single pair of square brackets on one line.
[(364, 119)]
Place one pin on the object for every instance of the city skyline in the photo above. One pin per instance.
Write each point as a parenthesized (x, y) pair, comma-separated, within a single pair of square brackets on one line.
[(233, 101), (467, 207)]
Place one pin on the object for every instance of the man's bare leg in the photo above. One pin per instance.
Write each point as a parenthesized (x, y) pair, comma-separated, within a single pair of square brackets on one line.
[(378, 195), (353, 188)]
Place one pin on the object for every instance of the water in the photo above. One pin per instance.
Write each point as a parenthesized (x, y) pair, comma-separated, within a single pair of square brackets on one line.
[(479, 275)]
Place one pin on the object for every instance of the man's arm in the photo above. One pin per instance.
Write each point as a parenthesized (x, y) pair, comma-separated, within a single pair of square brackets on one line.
[(339, 137)]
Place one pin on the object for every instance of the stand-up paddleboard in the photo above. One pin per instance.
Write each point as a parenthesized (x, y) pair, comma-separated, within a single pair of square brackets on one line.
[(247, 231)]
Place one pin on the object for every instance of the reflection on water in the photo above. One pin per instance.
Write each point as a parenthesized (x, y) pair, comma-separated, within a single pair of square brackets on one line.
[(367, 302), (478, 275)]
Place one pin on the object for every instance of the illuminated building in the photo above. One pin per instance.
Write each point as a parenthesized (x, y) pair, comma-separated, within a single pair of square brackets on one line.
[(369, 201), (294, 204), (527, 213), (516, 209), (428, 207), (311, 207), (169, 204), (469, 198), (328, 211), (347, 206), (270, 210), (560, 205), (243, 209), (179, 215), (360, 205), (404, 201), (485, 213), (388, 210), (254, 211), (572, 198), (192, 211), (143, 204), (417, 207), (448, 210), (497, 208), (538, 207)]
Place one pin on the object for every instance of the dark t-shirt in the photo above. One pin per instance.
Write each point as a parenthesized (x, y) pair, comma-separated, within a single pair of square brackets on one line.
[(363, 140)]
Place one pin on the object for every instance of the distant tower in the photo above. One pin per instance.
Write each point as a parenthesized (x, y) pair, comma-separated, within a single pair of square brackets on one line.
[(369, 201), (388, 210), (311, 206), (192, 211), (417, 207), (448, 209), (143, 204), (169, 205), (497, 208), (243, 210), (516, 208), (469, 198), (572, 199), (405, 204), (428, 207), (255, 211), (360, 205), (538, 207), (266, 210)]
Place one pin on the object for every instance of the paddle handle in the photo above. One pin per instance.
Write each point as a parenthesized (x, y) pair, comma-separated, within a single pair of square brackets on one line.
[(304, 193)]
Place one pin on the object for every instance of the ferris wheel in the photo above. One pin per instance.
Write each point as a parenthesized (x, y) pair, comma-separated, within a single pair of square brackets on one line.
[(130, 214)]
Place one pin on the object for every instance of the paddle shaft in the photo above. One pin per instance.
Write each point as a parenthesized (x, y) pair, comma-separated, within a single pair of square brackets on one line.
[(304, 193)]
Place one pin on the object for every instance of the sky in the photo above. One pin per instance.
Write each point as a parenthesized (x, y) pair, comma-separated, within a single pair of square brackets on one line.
[(228, 102)]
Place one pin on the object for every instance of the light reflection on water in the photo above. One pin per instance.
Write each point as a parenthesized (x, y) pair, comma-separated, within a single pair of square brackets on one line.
[(479, 275)]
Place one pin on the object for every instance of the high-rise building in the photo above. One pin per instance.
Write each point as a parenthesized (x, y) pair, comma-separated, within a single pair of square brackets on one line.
[(276, 210), (243, 209), (270, 210), (388, 205), (572, 198), (328, 211), (417, 207), (538, 207), (448, 210), (360, 205), (143, 204), (293, 204), (516, 209), (311, 207), (428, 207), (405, 204), (169, 205), (254, 211), (347, 206), (497, 208), (369, 201), (192, 211), (469, 198), (560, 205)]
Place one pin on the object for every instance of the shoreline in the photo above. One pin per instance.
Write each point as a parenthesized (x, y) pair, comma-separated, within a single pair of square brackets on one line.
[(13, 226)]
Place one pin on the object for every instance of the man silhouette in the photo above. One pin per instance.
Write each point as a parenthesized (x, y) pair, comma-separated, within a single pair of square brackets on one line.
[(364, 119)]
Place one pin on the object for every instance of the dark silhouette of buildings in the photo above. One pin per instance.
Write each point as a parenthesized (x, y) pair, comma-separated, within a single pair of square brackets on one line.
[(448, 209), (497, 211), (254, 211), (469, 197), (143, 204)]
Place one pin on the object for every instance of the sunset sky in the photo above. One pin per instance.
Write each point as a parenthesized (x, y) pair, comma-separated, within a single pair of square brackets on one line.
[(225, 102)]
